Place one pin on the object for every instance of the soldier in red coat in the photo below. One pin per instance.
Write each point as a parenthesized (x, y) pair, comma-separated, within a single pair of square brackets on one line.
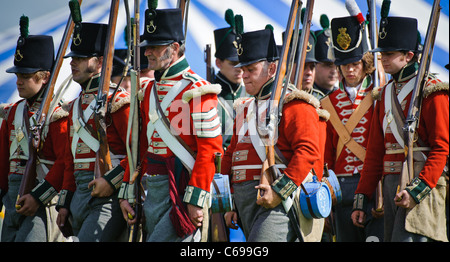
[(179, 136), (351, 107), (92, 203), (416, 213), (265, 219), (32, 220)]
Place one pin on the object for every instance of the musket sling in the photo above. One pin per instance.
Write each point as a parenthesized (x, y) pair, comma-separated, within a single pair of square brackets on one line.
[(395, 118)]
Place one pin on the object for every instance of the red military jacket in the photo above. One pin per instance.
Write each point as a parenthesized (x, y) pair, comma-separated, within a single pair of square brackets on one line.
[(13, 158), (79, 156), (433, 130), (298, 141), (347, 162), (192, 113)]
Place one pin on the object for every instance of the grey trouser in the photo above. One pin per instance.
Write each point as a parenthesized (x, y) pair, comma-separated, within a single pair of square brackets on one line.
[(258, 223), (157, 208), (394, 216), (345, 230), (19, 228), (95, 219)]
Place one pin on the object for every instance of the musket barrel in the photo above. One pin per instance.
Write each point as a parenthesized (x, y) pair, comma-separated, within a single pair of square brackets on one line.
[(412, 119)]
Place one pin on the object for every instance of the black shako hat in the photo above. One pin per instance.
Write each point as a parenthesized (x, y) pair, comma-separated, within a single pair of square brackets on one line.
[(257, 46), (322, 45), (310, 47), (349, 42), (33, 53), (397, 33), (119, 61), (225, 48), (162, 27), (323, 40), (224, 39), (90, 41)]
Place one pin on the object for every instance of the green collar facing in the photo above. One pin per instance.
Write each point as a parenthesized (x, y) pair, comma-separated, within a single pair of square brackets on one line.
[(176, 68), (92, 85), (407, 72), (266, 90)]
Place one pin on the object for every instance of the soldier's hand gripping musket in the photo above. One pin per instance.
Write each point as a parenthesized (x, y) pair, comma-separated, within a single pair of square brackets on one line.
[(412, 119), (42, 115), (103, 158), (268, 130)]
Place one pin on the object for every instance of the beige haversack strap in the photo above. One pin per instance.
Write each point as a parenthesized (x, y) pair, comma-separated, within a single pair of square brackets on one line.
[(344, 131)]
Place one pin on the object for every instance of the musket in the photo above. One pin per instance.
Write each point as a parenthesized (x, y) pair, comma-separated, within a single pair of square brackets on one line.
[(39, 118), (103, 157), (269, 131), (134, 124), (209, 67), (184, 6), (412, 119), (303, 44), (379, 80), (379, 76)]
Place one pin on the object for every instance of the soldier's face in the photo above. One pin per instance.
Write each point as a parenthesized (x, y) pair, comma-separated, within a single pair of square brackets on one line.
[(233, 74), (83, 68), (308, 76), (160, 57), (29, 85), (326, 74), (256, 75), (394, 61), (353, 73)]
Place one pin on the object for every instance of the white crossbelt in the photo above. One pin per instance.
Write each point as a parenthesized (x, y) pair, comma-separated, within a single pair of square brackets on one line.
[(389, 120), (388, 116), (78, 126), (164, 132), (21, 138), (88, 139)]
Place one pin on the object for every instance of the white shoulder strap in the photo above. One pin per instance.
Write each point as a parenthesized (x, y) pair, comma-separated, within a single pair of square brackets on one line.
[(388, 116), (79, 130), (21, 138), (253, 133), (164, 132)]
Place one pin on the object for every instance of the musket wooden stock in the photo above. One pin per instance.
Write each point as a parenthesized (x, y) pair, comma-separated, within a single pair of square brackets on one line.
[(304, 43), (103, 158), (35, 129), (184, 6), (412, 120), (267, 173)]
